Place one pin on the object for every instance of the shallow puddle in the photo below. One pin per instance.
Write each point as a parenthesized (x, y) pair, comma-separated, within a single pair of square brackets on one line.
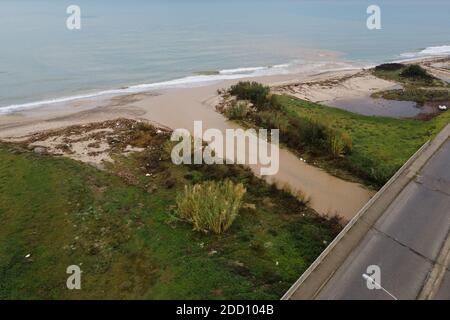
[(378, 107)]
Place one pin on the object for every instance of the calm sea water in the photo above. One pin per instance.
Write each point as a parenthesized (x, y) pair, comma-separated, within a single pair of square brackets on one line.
[(133, 42)]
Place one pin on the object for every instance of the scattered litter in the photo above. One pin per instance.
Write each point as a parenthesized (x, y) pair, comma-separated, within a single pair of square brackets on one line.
[(236, 263), (442, 108), (251, 206), (28, 255), (40, 150), (95, 143), (268, 245)]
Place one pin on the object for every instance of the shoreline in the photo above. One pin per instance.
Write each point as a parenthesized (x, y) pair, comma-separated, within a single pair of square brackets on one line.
[(179, 108), (193, 80), (136, 105), (206, 78)]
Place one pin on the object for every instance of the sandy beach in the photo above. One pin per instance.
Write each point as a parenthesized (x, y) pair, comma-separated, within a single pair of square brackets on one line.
[(180, 107)]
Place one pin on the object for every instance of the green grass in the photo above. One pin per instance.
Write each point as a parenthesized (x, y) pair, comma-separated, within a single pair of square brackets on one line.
[(421, 96), (402, 76), (380, 145), (418, 85), (122, 234), (360, 148)]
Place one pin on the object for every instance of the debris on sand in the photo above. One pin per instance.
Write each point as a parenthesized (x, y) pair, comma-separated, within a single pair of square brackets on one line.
[(97, 143)]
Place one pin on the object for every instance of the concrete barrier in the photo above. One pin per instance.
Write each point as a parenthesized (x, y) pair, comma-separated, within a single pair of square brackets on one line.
[(323, 268)]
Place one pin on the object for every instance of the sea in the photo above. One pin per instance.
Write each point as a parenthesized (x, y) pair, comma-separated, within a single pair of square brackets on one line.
[(135, 45)]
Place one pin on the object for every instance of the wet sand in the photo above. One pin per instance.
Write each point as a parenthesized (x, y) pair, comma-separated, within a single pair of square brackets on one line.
[(179, 108)]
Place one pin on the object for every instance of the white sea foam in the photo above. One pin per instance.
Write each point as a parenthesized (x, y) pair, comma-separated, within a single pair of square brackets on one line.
[(428, 52), (192, 81), (186, 82)]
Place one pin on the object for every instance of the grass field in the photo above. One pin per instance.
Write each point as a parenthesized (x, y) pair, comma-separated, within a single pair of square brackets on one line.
[(380, 145), (367, 149), (123, 235), (360, 148)]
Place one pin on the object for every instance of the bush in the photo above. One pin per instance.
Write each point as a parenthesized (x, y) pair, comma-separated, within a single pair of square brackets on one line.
[(211, 206), (339, 143), (272, 103), (312, 132), (416, 72), (389, 67), (272, 120), (300, 133), (237, 111), (252, 91), (318, 136)]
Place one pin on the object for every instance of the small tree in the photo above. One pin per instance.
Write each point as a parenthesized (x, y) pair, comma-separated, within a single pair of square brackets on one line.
[(416, 72)]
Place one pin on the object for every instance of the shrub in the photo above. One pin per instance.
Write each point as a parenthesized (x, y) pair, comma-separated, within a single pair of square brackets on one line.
[(300, 132), (416, 72), (389, 67), (273, 120), (252, 91), (308, 133), (211, 206), (339, 143), (238, 110), (317, 136), (272, 103), (313, 132)]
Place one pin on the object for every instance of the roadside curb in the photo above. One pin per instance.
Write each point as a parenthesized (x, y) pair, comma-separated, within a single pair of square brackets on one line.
[(322, 269)]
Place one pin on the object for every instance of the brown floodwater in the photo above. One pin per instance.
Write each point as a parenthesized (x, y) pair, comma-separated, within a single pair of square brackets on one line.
[(328, 194)]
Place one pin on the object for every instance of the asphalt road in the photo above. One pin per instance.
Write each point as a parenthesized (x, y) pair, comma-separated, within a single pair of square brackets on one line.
[(405, 242)]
